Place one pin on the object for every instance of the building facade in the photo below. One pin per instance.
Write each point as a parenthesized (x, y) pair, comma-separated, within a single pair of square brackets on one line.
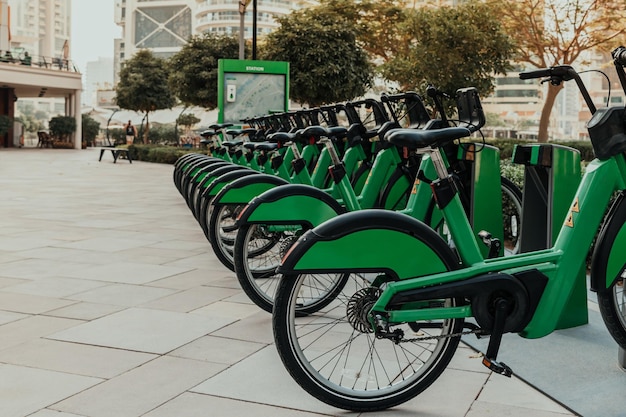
[(164, 26), (41, 27)]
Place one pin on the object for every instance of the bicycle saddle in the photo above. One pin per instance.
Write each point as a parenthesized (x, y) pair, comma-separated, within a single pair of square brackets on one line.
[(220, 126), (416, 139)]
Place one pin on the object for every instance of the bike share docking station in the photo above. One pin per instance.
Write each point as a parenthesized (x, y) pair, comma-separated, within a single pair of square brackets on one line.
[(552, 174)]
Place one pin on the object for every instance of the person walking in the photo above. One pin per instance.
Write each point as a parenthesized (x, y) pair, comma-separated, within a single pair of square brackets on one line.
[(131, 133)]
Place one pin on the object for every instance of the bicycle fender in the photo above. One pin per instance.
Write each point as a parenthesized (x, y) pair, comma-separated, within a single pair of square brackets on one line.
[(244, 189), (212, 175), (218, 183), (370, 241), (291, 204), (608, 262)]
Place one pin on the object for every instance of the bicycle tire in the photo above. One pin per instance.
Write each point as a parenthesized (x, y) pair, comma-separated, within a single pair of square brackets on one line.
[(257, 254), (396, 193), (222, 232), (344, 358)]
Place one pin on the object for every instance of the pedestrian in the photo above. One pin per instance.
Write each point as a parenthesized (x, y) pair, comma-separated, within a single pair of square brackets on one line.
[(131, 132)]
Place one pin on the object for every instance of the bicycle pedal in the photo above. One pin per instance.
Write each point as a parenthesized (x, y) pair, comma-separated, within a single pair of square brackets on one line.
[(497, 367)]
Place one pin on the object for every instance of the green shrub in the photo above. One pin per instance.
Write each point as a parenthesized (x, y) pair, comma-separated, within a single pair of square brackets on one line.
[(5, 124), (159, 154), (61, 127), (90, 129)]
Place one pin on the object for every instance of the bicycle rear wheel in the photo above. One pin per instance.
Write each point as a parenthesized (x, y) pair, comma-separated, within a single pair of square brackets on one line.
[(335, 356)]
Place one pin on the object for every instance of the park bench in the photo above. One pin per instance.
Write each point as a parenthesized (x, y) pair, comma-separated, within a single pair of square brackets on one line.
[(116, 152)]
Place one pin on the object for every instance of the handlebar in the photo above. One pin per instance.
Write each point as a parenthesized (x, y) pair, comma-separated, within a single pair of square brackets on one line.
[(556, 75), (385, 98)]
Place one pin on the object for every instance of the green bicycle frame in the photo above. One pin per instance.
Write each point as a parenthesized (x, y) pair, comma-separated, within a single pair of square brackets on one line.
[(560, 264)]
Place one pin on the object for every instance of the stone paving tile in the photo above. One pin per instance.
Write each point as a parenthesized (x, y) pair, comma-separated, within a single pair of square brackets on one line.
[(122, 294), (39, 268), (74, 358), (187, 280), (489, 409), (53, 413), (25, 390), (127, 272), (7, 282), (218, 350), (236, 311), (197, 405), (517, 394), (56, 287), (85, 311), (104, 244), (191, 299), (17, 244), (30, 304), (30, 328), (140, 390), (257, 328), (51, 252), (9, 316), (143, 330), (261, 385)]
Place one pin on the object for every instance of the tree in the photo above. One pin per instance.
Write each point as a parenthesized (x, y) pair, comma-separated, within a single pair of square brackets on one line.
[(90, 129), (554, 32), (143, 86), (450, 48), (187, 120), (326, 63), (193, 70), (5, 124)]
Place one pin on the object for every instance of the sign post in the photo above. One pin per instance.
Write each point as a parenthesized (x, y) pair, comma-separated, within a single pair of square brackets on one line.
[(248, 88)]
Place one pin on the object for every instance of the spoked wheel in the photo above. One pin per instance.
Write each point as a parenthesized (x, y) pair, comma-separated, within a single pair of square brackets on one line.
[(258, 252), (335, 356), (222, 231)]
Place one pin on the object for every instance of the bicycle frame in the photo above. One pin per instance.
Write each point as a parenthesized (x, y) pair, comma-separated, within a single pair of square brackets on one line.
[(559, 264)]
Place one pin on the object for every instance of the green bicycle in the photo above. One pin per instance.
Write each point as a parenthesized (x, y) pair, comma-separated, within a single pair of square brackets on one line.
[(394, 324)]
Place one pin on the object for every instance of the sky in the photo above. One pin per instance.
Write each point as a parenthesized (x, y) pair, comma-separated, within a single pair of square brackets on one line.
[(93, 31)]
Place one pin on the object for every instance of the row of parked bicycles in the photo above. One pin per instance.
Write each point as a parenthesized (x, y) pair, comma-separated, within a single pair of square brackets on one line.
[(378, 235)]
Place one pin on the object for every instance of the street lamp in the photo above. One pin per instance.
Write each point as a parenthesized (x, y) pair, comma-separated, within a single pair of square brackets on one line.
[(242, 11), (254, 29), (242, 18)]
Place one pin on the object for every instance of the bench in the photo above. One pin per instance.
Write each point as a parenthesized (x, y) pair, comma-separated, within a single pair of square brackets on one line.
[(116, 152)]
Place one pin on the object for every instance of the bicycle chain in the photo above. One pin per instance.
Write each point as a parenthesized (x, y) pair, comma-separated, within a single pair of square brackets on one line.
[(420, 339)]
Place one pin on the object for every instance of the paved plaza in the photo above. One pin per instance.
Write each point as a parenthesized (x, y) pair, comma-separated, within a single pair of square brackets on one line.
[(112, 304)]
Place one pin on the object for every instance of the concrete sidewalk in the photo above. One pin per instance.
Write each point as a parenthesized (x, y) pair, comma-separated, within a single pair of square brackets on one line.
[(113, 304)]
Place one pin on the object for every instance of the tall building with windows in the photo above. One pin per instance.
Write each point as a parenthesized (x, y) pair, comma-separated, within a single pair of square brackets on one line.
[(222, 16), (41, 27), (164, 26)]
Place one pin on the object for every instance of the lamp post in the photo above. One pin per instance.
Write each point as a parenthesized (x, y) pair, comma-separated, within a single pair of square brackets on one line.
[(242, 18), (254, 19)]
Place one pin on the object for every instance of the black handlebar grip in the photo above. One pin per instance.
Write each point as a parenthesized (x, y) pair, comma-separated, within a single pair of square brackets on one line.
[(540, 73), (619, 55)]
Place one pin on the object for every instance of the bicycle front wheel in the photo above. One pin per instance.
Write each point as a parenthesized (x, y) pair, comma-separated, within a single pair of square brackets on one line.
[(334, 355)]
